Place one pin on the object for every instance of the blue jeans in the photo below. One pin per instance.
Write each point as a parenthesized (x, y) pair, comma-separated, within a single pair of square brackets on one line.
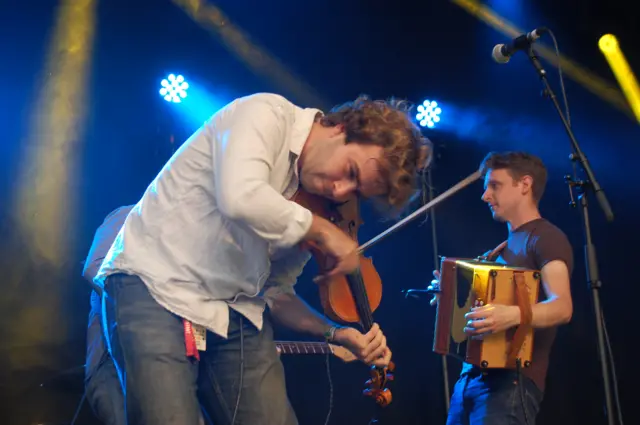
[(102, 386), (163, 385), (494, 399), (104, 394)]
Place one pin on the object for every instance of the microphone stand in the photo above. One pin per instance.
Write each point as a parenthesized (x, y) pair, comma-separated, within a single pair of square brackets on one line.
[(582, 188), (434, 241)]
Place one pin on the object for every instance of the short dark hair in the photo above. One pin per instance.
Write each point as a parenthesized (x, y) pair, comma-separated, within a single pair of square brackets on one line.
[(518, 165), (387, 123)]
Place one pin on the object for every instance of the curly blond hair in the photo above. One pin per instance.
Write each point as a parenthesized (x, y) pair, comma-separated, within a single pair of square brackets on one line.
[(407, 153)]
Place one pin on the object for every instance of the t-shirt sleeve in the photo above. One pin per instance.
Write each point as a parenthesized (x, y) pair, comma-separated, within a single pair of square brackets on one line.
[(549, 244)]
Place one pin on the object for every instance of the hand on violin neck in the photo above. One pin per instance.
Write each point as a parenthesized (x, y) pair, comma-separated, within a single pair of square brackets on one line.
[(370, 348), (336, 244)]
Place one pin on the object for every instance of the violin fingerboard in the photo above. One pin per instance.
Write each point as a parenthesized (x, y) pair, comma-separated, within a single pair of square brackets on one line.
[(359, 292)]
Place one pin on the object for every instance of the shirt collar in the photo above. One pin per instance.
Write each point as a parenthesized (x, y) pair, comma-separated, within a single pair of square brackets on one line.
[(303, 121)]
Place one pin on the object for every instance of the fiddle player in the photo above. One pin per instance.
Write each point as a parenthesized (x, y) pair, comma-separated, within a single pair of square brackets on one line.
[(514, 183), (214, 243)]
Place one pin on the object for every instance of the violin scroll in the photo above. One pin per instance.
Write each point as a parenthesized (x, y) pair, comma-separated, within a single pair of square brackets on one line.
[(377, 385)]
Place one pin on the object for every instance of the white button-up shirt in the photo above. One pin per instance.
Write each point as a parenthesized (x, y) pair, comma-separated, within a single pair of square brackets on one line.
[(216, 229)]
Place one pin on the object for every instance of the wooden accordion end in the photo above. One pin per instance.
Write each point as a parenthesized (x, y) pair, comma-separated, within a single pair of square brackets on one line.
[(468, 283)]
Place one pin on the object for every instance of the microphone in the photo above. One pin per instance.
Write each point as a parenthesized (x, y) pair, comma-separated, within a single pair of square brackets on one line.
[(418, 293), (503, 52)]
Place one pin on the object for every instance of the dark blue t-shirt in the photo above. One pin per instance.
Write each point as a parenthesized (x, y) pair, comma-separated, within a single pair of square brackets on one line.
[(532, 246)]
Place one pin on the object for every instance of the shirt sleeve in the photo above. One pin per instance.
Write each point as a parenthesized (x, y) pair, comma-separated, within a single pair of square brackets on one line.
[(247, 141), (550, 244)]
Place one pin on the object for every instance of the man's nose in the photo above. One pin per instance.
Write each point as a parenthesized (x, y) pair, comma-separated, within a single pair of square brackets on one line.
[(343, 188), (485, 196)]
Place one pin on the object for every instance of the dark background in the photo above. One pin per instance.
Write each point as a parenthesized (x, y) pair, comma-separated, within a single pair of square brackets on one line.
[(415, 50)]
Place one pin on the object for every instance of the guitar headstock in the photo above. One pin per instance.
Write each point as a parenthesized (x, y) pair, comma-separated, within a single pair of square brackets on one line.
[(377, 385)]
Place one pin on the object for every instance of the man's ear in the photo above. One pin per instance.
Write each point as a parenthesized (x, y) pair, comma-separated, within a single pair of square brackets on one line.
[(527, 184), (337, 130), (338, 135)]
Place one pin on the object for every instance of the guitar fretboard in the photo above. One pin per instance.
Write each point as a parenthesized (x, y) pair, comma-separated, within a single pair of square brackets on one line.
[(287, 347)]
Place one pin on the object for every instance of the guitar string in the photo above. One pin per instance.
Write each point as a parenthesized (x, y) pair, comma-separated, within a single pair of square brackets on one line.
[(328, 362)]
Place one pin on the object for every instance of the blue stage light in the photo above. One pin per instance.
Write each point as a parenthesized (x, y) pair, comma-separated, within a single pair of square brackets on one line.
[(174, 88), (428, 114)]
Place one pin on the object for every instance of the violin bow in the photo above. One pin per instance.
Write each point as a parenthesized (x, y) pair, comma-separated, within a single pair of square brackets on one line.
[(457, 187)]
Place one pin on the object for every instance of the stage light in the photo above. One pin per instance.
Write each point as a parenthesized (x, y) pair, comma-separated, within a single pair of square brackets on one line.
[(428, 113), (174, 88)]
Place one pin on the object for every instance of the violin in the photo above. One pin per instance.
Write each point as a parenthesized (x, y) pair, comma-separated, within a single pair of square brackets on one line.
[(349, 298), (353, 298)]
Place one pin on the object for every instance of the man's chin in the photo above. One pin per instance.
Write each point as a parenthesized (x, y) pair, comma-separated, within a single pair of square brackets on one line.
[(497, 217)]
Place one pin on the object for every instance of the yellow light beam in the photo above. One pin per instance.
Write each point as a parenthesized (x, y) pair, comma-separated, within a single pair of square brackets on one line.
[(610, 48), (45, 206), (598, 86), (238, 42)]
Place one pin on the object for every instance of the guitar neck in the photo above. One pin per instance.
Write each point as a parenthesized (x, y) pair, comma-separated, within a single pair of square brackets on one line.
[(303, 347)]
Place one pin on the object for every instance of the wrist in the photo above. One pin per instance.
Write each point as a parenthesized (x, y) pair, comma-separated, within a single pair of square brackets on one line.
[(330, 333), (318, 230), (516, 316)]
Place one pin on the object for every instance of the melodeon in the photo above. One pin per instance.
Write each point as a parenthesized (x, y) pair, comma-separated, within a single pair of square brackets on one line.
[(467, 283)]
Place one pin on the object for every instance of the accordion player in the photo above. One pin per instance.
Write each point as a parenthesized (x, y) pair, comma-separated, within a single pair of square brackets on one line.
[(467, 283)]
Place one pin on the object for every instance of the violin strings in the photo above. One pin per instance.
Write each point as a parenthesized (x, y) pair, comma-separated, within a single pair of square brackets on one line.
[(362, 301)]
